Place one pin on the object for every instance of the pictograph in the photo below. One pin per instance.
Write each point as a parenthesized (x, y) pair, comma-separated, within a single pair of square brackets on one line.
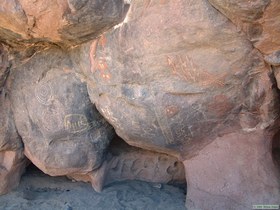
[(44, 93)]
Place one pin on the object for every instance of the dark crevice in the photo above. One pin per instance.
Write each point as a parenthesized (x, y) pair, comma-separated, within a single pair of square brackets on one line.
[(276, 149)]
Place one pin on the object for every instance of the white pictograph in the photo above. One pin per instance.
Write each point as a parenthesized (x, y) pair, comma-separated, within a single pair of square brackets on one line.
[(44, 93), (76, 123)]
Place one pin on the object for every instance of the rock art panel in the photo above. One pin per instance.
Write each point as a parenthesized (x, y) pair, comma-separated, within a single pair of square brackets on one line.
[(176, 77), (62, 131), (174, 82), (131, 163), (125, 162)]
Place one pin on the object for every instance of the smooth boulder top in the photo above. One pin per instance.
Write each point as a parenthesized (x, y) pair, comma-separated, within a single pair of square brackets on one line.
[(63, 22)]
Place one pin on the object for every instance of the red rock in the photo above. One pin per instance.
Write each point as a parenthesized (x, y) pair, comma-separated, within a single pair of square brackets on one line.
[(176, 77), (12, 160), (177, 95), (258, 19), (235, 171), (179, 77), (4, 64), (12, 166), (130, 163), (63, 22)]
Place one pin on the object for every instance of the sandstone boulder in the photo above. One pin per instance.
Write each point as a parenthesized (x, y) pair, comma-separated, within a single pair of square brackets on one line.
[(66, 22), (12, 159), (258, 19), (62, 131), (131, 163), (177, 93), (124, 162), (177, 77), (4, 64)]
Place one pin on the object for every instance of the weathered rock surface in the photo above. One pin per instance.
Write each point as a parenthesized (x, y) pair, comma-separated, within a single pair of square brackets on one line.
[(178, 75), (131, 163), (12, 160), (4, 64), (62, 131), (181, 93), (276, 149), (258, 19), (276, 71), (67, 22), (273, 59), (125, 162), (241, 173)]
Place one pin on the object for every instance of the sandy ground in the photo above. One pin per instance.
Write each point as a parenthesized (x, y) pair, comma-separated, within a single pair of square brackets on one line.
[(38, 191)]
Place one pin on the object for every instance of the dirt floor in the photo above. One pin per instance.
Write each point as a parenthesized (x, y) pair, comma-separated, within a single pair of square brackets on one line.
[(38, 191)]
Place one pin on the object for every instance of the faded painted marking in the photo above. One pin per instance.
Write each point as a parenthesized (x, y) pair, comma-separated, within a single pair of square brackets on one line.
[(99, 64), (92, 55), (163, 121), (185, 68), (102, 41)]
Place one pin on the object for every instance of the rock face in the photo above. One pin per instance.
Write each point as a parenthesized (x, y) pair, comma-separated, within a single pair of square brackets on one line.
[(125, 162), (178, 93), (131, 163), (62, 131), (177, 76), (189, 80), (12, 159), (258, 19), (66, 22), (236, 171), (4, 64)]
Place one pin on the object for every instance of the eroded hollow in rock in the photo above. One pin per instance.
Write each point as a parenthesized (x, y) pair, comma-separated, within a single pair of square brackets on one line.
[(125, 162), (40, 191)]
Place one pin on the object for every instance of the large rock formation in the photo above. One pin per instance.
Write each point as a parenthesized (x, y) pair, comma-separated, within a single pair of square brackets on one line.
[(12, 159), (130, 163), (65, 22), (258, 19), (125, 162), (61, 129), (176, 76), (194, 79), (63, 133), (4, 64)]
